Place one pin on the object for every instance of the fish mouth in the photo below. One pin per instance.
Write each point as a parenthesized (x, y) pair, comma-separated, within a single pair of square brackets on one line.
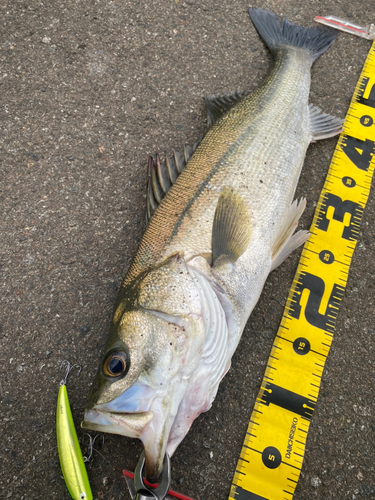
[(134, 425), (125, 424), (128, 415), (139, 412)]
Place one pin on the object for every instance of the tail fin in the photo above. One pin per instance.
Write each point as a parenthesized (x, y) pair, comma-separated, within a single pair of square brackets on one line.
[(268, 26)]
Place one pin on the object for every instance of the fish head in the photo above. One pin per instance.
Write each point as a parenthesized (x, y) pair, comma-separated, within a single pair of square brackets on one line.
[(154, 345)]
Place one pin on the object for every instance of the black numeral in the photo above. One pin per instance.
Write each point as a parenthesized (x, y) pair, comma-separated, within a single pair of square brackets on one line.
[(359, 152), (340, 209), (316, 286)]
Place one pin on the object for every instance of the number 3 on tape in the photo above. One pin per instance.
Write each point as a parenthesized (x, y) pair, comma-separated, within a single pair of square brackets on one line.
[(274, 446)]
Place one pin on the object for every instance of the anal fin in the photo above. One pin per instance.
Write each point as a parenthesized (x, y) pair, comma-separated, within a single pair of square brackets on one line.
[(231, 230), (323, 125), (286, 241)]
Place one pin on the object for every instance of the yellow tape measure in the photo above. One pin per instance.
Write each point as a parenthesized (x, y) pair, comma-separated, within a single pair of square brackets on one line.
[(274, 446)]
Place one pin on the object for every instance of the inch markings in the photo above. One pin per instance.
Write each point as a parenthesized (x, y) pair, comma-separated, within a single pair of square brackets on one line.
[(274, 446)]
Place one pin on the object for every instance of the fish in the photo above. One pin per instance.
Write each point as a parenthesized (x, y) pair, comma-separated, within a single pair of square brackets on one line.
[(221, 217)]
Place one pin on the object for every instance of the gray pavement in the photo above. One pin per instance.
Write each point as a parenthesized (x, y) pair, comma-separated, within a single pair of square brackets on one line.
[(88, 90)]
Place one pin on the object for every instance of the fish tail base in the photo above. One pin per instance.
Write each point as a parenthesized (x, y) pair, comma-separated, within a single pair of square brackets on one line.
[(315, 40)]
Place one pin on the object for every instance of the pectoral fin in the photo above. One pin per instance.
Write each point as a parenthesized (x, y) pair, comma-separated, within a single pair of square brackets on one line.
[(231, 228), (286, 241), (323, 125)]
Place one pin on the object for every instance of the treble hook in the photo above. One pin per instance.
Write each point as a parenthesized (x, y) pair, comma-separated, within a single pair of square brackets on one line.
[(69, 368), (91, 446)]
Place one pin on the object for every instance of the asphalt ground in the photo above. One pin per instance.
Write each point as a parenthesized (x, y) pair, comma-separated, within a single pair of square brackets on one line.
[(88, 90)]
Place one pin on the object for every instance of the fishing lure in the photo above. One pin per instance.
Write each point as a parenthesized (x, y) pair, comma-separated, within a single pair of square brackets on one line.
[(71, 460)]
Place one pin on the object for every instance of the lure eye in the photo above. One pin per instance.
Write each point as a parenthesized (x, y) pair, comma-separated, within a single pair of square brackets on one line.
[(115, 364)]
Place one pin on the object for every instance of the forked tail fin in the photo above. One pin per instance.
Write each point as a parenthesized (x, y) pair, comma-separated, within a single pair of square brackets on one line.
[(315, 40)]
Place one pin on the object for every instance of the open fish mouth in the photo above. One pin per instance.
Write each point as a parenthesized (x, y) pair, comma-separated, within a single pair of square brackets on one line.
[(125, 424), (136, 413), (134, 425)]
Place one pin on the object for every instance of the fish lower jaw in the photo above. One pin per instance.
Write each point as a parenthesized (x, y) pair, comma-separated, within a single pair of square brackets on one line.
[(126, 424)]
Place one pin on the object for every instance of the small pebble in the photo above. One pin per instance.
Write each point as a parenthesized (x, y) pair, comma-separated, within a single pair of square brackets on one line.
[(316, 481), (84, 329)]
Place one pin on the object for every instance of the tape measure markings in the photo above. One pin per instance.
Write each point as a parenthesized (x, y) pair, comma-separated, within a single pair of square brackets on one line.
[(272, 454)]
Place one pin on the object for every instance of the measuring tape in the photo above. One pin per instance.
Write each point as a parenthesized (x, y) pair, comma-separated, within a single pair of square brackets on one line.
[(272, 453)]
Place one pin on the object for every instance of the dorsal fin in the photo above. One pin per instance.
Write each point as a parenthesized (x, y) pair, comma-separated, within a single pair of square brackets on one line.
[(162, 176), (217, 105)]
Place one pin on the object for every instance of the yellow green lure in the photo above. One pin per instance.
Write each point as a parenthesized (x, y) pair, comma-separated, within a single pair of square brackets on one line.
[(71, 460)]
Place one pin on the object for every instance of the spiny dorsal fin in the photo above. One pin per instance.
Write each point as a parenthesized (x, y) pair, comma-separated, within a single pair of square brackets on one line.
[(323, 125), (162, 176), (217, 105), (231, 228)]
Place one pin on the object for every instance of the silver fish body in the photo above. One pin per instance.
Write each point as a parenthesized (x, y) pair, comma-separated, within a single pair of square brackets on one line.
[(225, 223)]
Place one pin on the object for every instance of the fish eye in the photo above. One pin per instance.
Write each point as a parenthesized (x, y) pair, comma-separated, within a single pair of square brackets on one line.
[(116, 364)]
